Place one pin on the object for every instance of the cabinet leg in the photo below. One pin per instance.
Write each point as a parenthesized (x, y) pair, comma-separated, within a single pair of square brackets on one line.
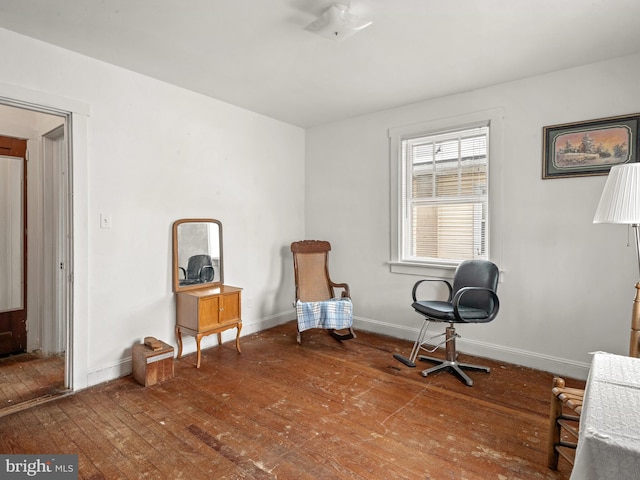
[(179, 338), (198, 338), (219, 338), (238, 337)]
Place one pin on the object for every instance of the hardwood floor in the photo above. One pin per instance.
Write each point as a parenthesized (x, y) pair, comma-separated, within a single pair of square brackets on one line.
[(322, 410), (29, 378)]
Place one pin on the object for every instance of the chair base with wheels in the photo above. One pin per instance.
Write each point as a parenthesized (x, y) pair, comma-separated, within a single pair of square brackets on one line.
[(451, 360)]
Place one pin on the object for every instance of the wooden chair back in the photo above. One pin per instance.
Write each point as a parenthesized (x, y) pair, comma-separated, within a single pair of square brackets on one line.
[(310, 264), (566, 408)]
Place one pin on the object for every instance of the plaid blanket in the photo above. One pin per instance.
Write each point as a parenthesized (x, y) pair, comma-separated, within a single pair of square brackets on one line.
[(336, 313)]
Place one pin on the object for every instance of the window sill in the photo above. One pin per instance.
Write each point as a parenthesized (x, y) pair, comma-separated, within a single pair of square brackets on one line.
[(423, 269), (440, 271)]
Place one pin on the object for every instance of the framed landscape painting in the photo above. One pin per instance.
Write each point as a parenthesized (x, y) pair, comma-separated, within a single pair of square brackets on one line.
[(589, 148)]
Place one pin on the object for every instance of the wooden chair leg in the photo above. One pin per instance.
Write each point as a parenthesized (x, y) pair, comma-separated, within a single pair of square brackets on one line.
[(554, 427)]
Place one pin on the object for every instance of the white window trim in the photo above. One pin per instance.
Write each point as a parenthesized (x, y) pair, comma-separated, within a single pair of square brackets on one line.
[(495, 119)]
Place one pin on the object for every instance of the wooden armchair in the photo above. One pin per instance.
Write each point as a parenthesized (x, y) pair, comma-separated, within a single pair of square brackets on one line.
[(566, 407), (564, 418), (314, 285)]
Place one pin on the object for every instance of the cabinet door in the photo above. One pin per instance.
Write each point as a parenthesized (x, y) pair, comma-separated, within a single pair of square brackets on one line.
[(209, 309), (230, 308)]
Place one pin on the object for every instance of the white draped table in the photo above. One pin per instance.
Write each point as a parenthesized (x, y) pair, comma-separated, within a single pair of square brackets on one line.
[(609, 443)]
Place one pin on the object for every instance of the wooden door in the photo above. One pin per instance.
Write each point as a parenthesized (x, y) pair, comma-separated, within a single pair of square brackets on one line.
[(13, 245), (209, 313), (230, 311)]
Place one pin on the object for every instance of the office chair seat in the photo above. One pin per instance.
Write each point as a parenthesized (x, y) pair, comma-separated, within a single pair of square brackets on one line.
[(445, 312)]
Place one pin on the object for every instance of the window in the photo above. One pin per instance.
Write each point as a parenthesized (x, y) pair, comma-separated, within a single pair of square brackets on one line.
[(446, 192), (445, 196)]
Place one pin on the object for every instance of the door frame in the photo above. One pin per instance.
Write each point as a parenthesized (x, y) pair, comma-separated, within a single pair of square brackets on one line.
[(55, 167), (76, 115)]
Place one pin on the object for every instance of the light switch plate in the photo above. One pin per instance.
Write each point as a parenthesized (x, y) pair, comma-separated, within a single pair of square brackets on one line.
[(105, 220)]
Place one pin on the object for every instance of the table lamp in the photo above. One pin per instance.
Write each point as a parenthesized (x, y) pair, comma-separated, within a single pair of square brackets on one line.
[(620, 203)]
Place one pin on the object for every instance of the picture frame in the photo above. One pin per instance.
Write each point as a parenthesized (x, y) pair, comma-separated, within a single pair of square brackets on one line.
[(589, 147)]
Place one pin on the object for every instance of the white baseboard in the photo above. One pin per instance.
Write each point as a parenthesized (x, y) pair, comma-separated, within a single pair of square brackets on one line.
[(110, 372), (547, 363), (124, 367)]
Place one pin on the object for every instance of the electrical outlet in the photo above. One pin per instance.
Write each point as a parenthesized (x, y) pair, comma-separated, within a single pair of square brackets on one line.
[(249, 302)]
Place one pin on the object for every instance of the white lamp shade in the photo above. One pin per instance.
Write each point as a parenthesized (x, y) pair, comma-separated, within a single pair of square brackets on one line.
[(620, 201)]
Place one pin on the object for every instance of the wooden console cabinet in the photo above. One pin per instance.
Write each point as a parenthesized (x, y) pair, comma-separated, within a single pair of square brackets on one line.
[(205, 311)]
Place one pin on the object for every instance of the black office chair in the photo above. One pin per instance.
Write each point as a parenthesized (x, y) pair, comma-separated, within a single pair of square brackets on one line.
[(199, 270), (472, 299)]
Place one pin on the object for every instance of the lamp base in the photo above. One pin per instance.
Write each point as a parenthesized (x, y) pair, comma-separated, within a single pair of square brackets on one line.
[(634, 344)]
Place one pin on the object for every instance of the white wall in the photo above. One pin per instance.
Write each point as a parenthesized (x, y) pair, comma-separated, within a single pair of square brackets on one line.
[(568, 284), (155, 153)]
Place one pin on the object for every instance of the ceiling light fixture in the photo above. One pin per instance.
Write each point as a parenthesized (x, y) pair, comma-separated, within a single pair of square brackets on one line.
[(336, 23)]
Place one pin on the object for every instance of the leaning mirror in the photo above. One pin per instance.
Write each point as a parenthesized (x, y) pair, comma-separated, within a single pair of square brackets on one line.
[(197, 253)]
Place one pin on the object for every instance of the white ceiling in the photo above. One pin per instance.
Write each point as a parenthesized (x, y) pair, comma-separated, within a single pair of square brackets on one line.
[(257, 55)]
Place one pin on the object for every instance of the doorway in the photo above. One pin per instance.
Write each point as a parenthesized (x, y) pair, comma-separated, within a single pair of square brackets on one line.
[(13, 245), (37, 369)]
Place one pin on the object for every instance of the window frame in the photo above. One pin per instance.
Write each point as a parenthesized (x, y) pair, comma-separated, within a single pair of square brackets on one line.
[(493, 118)]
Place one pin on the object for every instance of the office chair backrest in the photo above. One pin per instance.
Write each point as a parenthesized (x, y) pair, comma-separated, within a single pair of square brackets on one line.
[(200, 268), (476, 273)]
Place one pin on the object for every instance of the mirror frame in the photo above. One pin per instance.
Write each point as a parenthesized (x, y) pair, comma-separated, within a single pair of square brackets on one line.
[(176, 282)]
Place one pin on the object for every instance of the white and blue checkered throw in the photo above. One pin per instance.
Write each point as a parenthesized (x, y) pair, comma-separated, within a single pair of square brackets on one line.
[(336, 313)]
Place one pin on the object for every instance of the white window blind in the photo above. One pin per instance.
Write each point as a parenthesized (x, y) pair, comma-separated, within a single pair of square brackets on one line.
[(445, 196)]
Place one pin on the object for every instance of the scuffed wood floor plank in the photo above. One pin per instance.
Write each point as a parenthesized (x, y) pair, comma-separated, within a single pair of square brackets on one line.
[(320, 410)]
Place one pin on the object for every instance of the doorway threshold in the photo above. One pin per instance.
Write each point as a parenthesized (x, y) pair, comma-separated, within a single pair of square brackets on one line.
[(18, 407)]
